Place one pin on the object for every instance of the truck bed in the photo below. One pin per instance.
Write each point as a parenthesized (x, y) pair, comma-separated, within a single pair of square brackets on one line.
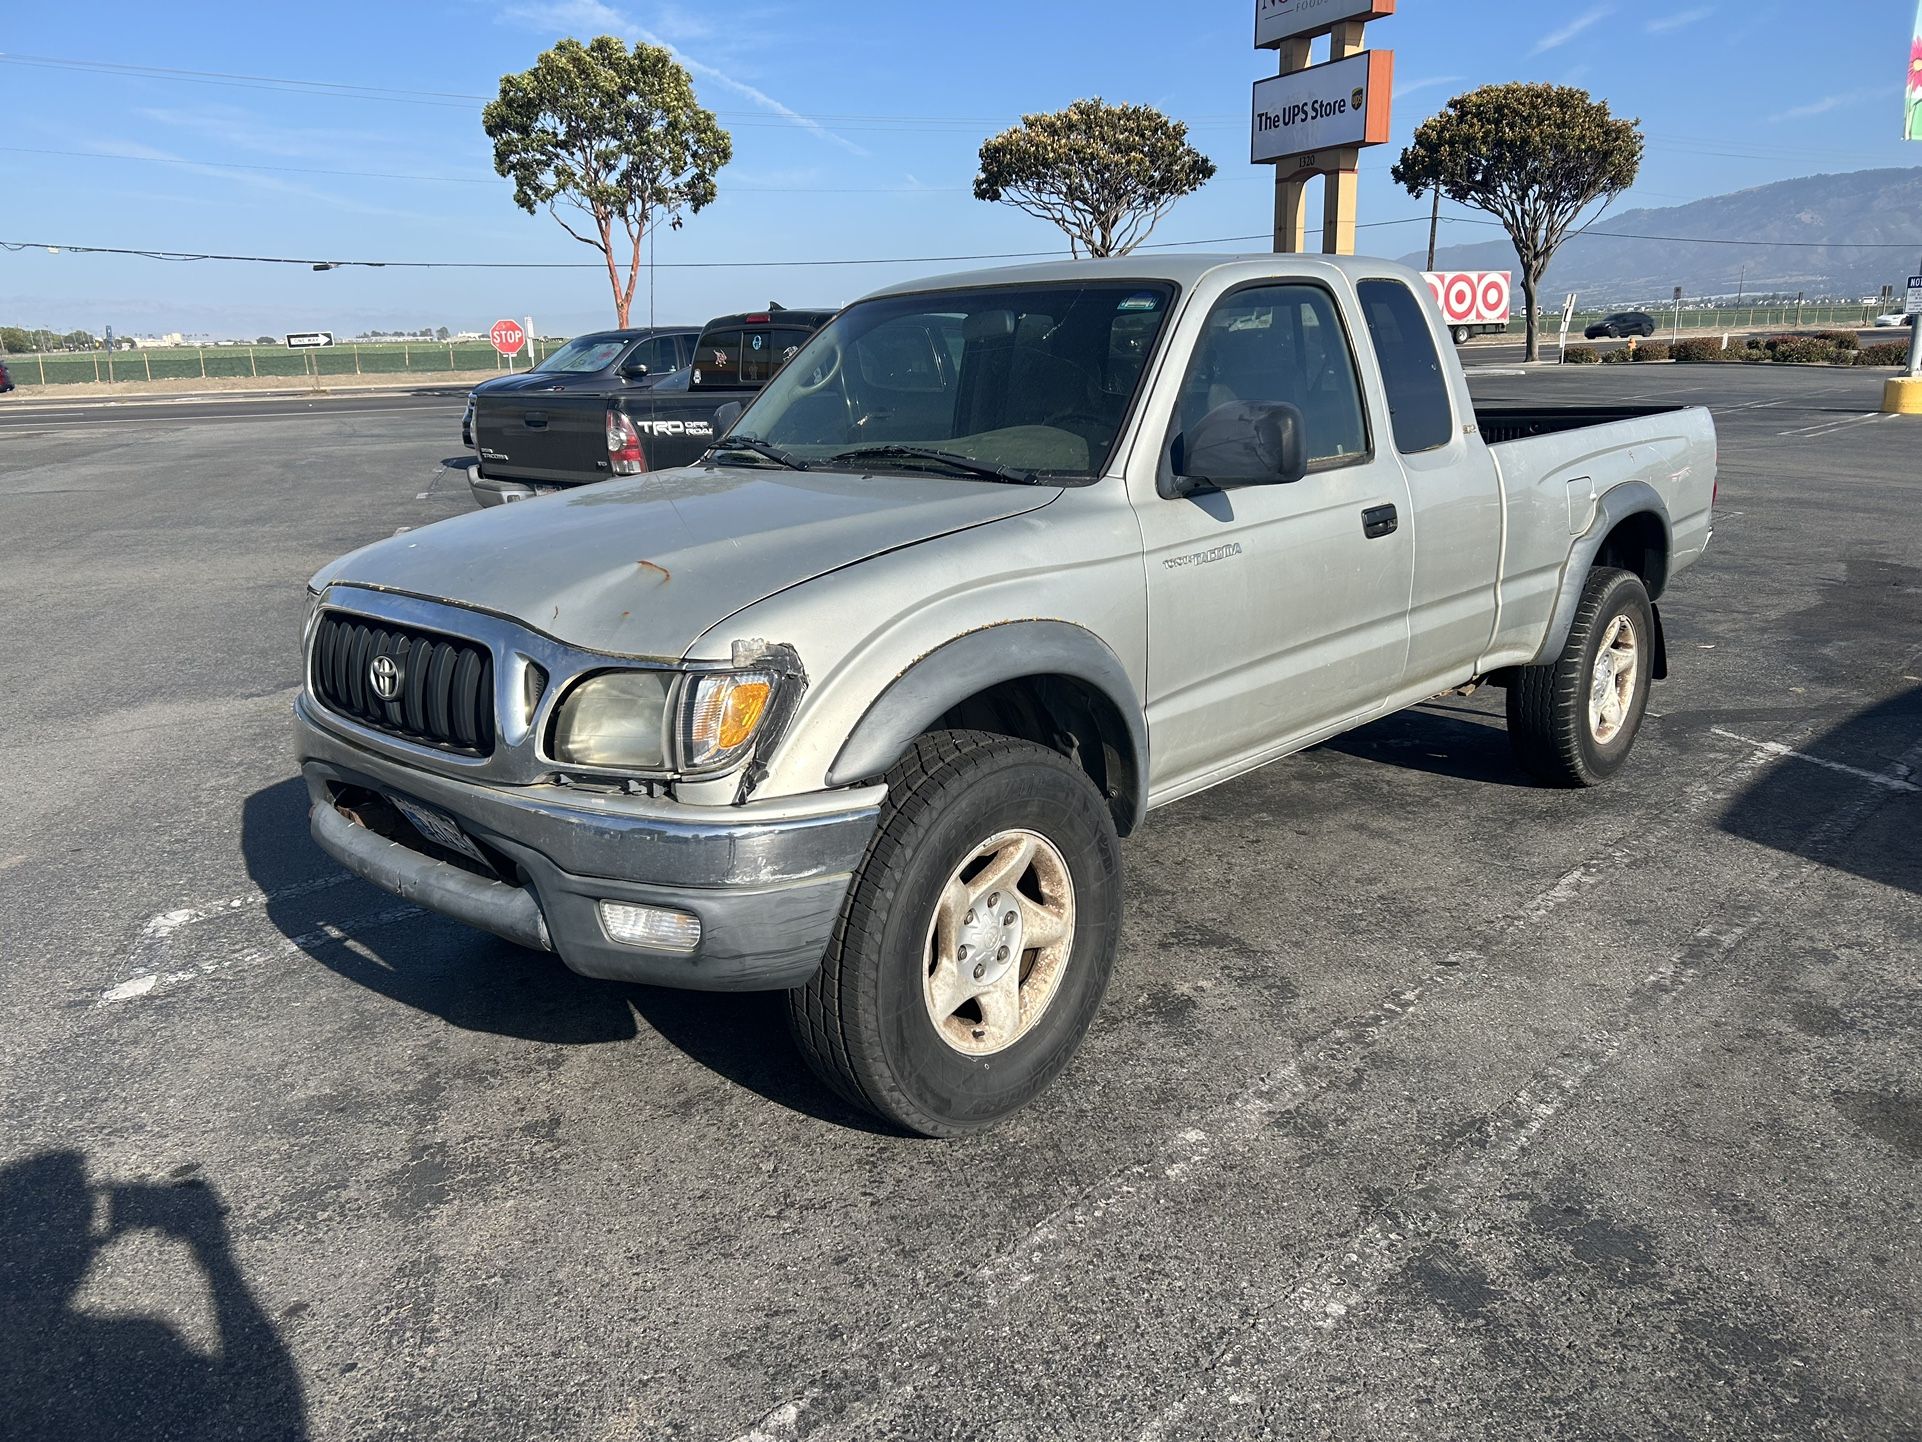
[(1500, 423)]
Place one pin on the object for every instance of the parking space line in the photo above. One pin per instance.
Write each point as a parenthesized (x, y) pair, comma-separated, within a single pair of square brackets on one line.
[(154, 943), (1823, 428), (1891, 779)]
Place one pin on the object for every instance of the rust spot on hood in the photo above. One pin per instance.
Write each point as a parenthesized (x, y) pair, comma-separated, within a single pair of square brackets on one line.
[(650, 566)]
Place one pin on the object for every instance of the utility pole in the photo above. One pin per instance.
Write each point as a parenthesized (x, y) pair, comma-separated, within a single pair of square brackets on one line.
[(1434, 224)]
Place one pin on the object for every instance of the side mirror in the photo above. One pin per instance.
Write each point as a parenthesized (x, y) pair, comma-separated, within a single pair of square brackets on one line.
[(725, 418), (1241, 443), (636, 371)]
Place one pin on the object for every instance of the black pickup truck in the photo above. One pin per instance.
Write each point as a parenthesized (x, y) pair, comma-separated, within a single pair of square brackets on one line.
[(605, 362), (532, 441)]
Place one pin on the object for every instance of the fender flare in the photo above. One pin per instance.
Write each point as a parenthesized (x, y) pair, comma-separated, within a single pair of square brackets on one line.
[(1631, 498), (972, 663)]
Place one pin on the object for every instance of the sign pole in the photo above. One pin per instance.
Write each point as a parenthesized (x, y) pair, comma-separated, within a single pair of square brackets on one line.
[(1341, 195), (1291, 188)]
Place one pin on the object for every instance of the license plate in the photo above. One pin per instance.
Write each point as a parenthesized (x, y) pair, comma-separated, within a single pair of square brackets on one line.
[(439, 829)]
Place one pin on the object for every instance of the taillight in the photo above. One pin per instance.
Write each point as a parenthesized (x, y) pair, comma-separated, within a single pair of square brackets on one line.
[(624, 454)]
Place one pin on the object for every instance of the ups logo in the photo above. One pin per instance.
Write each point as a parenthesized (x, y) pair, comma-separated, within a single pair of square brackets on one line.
[(1356, 97)]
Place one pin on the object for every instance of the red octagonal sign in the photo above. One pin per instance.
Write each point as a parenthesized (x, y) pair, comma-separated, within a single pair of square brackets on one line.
[(507, 336)]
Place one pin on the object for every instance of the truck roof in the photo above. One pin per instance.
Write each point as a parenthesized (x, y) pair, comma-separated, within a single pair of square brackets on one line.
[(1184, 269)]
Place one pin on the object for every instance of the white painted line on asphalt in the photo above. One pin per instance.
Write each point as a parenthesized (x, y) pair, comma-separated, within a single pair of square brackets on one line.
[(1894, 780), (154, 943), (327, 931), (311, 413), (1823, 428)]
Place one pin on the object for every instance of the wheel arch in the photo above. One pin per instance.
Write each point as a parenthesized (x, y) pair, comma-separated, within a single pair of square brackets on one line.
[(1046, 681), (1631, 530)]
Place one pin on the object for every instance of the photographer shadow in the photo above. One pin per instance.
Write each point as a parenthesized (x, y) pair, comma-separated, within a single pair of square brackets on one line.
[(85, 1377)]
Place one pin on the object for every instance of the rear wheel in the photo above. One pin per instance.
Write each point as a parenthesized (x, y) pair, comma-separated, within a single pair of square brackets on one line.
[(1461, 335), (976, 942), (1572, 722)]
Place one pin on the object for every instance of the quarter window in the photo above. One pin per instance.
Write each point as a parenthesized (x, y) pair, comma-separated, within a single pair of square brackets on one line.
[(1411, 369), (1282, 343)]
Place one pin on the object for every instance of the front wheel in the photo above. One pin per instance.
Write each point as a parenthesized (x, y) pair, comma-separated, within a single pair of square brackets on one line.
[(976, 942), (1573, 721)]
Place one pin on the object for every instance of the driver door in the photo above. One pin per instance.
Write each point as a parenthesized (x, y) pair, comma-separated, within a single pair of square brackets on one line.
[(1275, 612)]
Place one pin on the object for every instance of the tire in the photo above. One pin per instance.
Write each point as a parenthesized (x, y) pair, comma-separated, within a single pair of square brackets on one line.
[(867, 1022), (1552, 721), (1461, 335)]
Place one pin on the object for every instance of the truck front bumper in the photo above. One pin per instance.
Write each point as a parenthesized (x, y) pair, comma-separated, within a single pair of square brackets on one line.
[(766, 880)]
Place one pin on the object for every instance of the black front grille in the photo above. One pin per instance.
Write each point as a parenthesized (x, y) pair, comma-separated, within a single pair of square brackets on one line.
[(446, 695)]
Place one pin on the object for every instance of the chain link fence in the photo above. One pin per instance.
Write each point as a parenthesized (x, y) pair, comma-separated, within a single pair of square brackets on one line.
[(233, 362)]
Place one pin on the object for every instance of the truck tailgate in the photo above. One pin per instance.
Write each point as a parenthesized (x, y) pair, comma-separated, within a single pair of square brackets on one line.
[(541, 436)]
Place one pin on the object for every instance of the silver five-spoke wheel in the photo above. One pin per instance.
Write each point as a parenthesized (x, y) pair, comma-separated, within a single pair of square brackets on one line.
[(1612, 685), (999, 941)]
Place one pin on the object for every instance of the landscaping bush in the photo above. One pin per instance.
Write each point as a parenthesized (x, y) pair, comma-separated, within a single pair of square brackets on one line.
[(1582, 355), (1652, 350), (1801, 350), (1617, 357), (1702, 350), (1840, 339), (1883, 353)]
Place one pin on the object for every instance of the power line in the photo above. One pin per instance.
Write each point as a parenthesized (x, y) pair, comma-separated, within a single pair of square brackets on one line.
[(449, 179), (183, 256)]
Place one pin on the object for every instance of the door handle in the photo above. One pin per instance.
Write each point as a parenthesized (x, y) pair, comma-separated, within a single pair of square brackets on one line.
[(535, 419), (1379, 521)]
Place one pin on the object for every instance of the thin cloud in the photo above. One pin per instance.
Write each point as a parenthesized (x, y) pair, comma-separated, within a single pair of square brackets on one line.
[(134, 150), (1428, 82), (592, 14), (1568, 32), (1663, 24), (1815, 107)]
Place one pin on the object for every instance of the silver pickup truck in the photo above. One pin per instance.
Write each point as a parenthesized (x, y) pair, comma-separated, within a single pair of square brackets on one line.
[(859, 705)]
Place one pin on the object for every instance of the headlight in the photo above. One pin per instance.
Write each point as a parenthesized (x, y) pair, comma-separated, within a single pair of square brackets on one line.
[(618, 718), (720, 715)]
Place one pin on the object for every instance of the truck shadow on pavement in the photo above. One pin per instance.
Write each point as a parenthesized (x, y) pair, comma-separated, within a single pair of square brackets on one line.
[(87, 1376), (1776, 810), (1450, 741), (471, 980)]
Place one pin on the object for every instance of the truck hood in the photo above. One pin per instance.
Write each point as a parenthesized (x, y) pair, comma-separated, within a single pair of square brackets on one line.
[(646, 566)]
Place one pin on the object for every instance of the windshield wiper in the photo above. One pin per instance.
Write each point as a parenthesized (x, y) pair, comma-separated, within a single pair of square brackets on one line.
[(965, 464), (761, 448)]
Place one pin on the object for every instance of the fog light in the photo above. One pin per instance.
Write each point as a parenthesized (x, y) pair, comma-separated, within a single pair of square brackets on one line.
[(652, 926)]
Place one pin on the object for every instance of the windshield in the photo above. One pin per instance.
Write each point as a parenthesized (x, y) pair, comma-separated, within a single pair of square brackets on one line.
[(583, 357), (1031, 380)]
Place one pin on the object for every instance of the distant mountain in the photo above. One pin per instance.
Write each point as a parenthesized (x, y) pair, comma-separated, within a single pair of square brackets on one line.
[(1815, 211)]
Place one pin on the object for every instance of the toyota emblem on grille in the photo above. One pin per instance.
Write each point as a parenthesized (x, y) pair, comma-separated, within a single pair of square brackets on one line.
[(384, 674)]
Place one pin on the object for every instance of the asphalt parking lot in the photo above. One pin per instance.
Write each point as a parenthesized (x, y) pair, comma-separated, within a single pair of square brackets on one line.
[(1425, 1103)]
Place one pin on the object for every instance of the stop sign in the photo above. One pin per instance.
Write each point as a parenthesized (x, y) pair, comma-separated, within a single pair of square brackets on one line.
[(507, 336)]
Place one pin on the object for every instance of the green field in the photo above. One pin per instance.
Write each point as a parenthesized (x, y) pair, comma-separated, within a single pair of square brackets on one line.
[(215, 362)]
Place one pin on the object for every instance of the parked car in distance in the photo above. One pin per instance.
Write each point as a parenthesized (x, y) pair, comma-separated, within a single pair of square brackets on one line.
[(858, 706), (1893, 318), (531, 441), (1623, 322), (607, 360), (6, 381)]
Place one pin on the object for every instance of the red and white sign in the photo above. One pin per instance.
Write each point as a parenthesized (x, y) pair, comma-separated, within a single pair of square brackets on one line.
[(1470, 297), (507, 336)]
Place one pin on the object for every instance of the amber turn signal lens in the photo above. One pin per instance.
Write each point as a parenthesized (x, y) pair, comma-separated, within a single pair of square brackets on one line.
[(741, 713)]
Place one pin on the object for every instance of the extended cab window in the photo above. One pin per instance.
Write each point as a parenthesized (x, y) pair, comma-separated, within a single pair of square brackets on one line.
[(1281, 343), (1411, 368)]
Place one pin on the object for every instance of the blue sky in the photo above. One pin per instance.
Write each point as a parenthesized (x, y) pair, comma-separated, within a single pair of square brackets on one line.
[(856, 124)]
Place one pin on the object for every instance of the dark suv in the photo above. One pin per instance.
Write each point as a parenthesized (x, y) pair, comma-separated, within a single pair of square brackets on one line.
[(6, 381), (1623, 322), (606, 362)]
